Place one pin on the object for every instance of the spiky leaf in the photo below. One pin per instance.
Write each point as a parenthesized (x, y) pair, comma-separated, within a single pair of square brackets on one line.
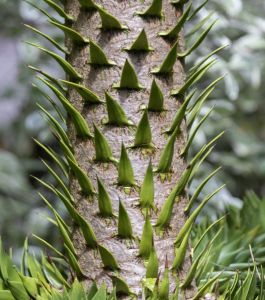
[(169, 61), (59, 10), (104, 201), (120, 285), (47, 37), (156, 98), (107, 258), (180, 251), (84, 92), (75, 36), (154, 10), (108, 21), (173, 33), (97, 56), (125, 171), (193, 78), (141, 43), (88, 4), (129, 78), (83, 179), (146, 242), (180, 114), (197, 42), (102, 147), (193, 216), (163, 292), (152, 265), (165, 161), (116, 114), (80, 124), (67, 67), (147, 192), (143, 136), (124, 223)]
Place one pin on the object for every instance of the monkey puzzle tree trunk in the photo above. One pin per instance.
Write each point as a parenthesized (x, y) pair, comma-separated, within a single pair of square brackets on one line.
[(125, 80)]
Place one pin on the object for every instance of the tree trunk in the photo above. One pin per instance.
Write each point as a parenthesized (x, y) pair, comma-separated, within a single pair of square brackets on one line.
[(100, 79)]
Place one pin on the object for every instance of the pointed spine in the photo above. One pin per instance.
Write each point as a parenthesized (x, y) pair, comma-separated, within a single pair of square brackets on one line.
[(116, 114), (147, 192), (125, 170), (102, 148), (124, 223), (129, 78), (143, 136), (104, 201), (156, 98)]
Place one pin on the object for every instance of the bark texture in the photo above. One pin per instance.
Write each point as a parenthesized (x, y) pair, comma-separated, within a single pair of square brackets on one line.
[(100, 80)]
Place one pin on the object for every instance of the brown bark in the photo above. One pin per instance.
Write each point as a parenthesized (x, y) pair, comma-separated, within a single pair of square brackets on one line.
[(100, 80)]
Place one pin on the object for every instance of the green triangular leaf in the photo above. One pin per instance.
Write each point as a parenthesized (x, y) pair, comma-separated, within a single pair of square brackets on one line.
[(83, 179), (75, 36), (97, 56), (192, 270), (59, 181), (120, 285), (103, 150), (143, 136), (193, 78), (67, 67), (197, 42), (107, 258), (87, 4), (164, 216), (141, 43), (124, 223), (147, 192), (152, 265), (53, 80), (46, 36), (207, 285), (109, 21), (59, 10), (163, 292), (193, 133), (125, 171), (73, 262), (154, 10), (116, 114), (92, 291), (88, 96), (166, 157), (80, 124), (166, 211), (87, 232), (199, 189), (193, 216), (64, 234), (104, 201), (55, 157), (173, 33), (168, 63), (101, 294), (146, 242), (181, 251), (180, 114), (129, 78), (156, 99)]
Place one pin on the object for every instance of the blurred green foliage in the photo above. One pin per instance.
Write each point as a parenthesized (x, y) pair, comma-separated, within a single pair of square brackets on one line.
[(238, 100)]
